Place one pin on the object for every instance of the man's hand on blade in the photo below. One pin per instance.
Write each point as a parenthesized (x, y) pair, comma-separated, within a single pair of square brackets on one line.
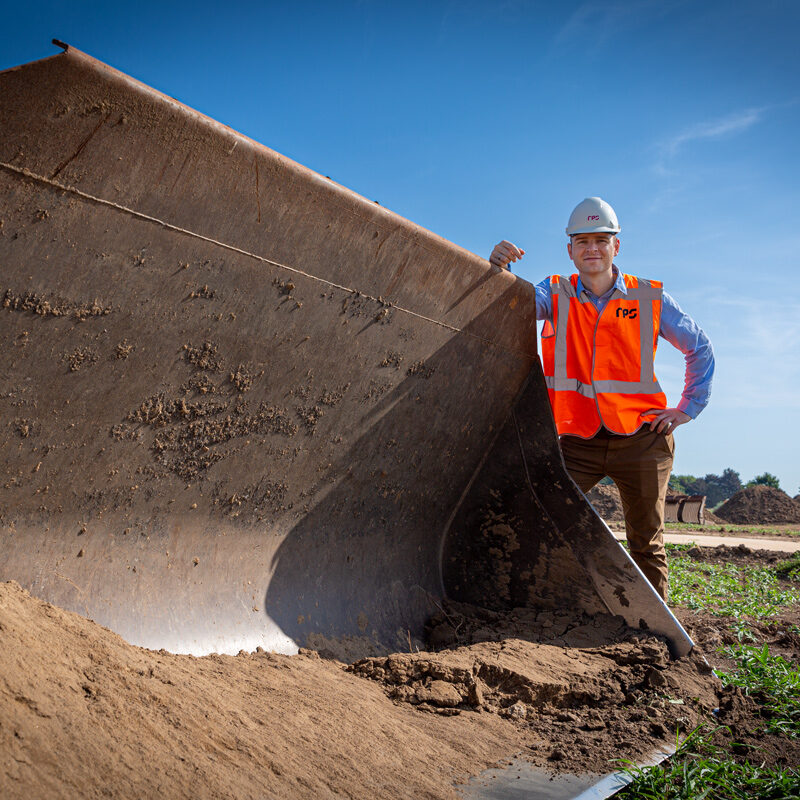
[(666, 419), (504, 253)]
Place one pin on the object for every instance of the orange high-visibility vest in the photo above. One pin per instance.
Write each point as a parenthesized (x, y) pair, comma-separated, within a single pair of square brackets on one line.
[(599, 367)]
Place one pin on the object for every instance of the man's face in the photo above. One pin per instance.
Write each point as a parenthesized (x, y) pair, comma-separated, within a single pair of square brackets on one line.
[(593, 253)]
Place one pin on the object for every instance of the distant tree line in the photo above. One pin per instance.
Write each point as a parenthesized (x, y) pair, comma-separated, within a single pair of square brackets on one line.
[(718, 488)]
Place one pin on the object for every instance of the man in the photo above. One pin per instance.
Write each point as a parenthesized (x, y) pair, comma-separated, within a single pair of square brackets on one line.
[(598, 345)]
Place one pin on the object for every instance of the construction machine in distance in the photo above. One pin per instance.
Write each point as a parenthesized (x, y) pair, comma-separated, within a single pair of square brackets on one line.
[(689, 508), (244, 406)]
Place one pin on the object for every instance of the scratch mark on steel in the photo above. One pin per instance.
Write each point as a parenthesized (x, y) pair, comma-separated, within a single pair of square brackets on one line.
[(397, 275), (78, 588), (180, 172), (258, 194), (83, 144), (163, 169), (168, 160), (169, 226), (384, 240)]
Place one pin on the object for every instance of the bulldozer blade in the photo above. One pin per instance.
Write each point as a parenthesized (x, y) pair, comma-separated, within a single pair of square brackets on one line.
[(692, 509), (672, 507), (686, 508), (244, 406)]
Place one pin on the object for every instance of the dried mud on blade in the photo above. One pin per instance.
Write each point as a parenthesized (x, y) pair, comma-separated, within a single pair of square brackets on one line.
[(246, 407)]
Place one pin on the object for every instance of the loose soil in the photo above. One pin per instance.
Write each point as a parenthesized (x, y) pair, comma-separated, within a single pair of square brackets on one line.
[(84, 714)]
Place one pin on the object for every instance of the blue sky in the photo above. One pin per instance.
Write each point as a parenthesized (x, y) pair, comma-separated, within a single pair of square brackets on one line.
[(490, 120)]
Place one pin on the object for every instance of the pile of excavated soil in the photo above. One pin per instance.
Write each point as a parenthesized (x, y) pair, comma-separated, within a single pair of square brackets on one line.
[(606, 501), (739, 554), (759, 505), (84, 714)]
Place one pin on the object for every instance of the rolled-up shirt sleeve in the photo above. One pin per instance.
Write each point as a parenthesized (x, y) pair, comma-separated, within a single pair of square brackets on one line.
[(682, 332)]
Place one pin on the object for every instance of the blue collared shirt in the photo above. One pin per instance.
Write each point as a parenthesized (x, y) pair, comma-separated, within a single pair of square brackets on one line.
[(677, 327)]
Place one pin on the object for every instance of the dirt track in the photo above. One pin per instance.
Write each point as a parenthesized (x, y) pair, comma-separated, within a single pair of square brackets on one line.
[(790, 544)]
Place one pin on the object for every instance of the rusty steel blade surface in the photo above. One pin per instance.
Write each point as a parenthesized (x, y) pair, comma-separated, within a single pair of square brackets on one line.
[(243, 406)]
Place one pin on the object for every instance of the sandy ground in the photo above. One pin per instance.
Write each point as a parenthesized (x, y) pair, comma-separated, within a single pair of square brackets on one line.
[(84, 714)]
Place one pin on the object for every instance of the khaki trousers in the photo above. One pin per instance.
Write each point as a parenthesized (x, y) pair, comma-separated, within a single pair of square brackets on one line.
[(640, 465)]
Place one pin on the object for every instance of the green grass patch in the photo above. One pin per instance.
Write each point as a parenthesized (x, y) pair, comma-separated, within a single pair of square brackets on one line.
[(699, 770), (790, 568), (730, 590), (773, 680)]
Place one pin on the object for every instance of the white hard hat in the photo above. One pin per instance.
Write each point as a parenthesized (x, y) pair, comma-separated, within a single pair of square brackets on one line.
[(592, 215)]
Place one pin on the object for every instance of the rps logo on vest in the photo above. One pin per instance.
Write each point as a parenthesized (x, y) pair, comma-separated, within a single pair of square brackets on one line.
[(627, 313)]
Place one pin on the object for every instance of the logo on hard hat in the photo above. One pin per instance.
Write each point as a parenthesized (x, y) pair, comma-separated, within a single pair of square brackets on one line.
[(602, 218)]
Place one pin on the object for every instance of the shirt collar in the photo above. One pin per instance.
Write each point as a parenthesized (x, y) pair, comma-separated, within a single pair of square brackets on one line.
[(619, 283)]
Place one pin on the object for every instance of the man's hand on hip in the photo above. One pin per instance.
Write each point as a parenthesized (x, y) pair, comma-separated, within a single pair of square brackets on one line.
[(666, 419), (505, 252)]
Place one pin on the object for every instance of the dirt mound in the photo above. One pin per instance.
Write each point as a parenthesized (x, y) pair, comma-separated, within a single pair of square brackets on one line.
[(759, 505), (606, 501), (739, 554), (82, 713)]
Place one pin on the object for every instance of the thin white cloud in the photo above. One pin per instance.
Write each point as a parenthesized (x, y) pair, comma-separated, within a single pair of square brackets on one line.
[(599, 23), (713, 129), (675, 182), (757, 353), (729, 125)]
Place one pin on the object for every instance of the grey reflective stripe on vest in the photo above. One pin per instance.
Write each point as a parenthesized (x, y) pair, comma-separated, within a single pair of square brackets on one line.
[(602, 387), (647, 384), (564, 289), (643, 292), (647, 292)]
